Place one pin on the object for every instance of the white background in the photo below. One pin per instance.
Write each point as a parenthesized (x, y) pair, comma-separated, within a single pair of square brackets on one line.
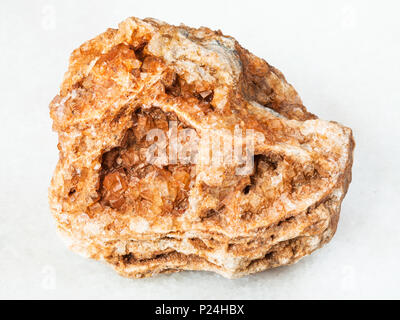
[(342, 57)]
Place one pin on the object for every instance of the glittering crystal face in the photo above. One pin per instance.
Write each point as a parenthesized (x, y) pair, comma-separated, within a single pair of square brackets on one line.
[(149, 86)]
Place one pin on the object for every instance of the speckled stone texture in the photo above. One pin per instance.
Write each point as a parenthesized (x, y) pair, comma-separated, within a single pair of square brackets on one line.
[(145, 219)]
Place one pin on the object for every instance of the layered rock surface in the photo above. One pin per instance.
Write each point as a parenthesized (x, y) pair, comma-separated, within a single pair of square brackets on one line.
[(145, 218)]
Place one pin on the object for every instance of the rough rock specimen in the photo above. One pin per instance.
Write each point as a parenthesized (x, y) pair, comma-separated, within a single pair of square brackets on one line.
[(146, 218)]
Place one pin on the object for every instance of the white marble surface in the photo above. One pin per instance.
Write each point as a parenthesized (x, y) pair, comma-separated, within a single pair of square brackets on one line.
[(342, 57)]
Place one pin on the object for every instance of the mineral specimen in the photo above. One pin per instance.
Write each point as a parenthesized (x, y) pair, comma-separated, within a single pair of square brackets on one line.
[(149, 86)]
